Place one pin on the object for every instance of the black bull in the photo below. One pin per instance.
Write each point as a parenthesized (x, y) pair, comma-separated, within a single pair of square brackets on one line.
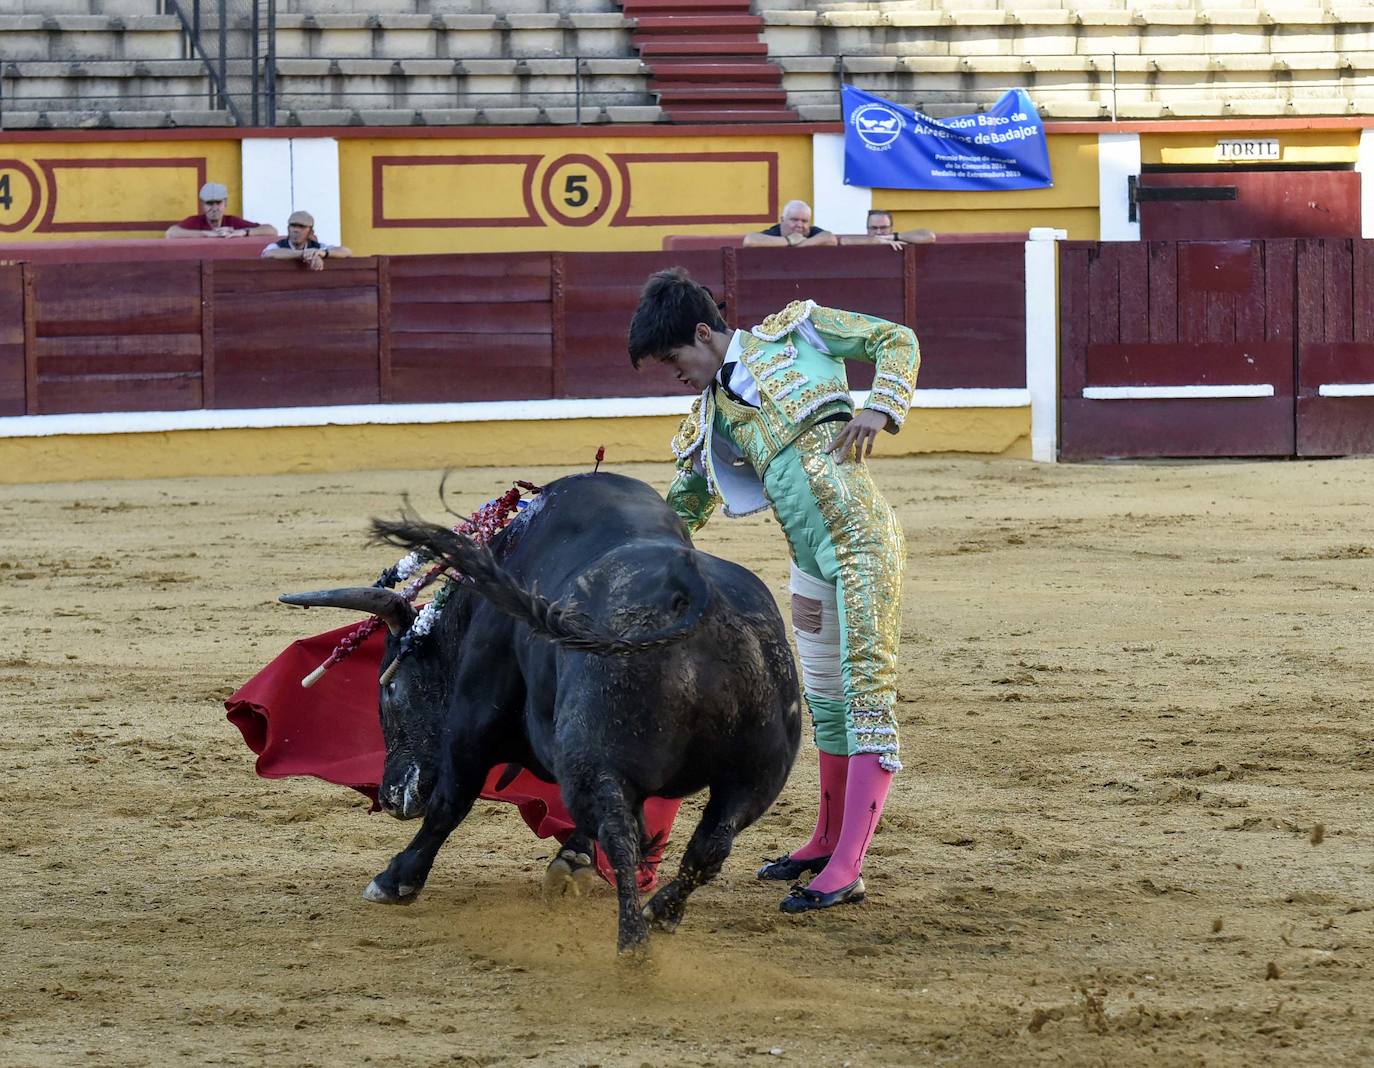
[(604, 653)]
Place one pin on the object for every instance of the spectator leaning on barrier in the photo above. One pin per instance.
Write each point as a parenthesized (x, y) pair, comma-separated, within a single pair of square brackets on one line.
[(879, 226), (300, 243), (213, 222), (793, 229)]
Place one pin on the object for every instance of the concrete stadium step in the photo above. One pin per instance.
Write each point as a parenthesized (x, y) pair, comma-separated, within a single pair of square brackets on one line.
[(656, 48), (722, 73), (638, 8), (108, 8), (442, 7), (89, 37), (701, 116), (425, 36), (474, 116), (672, 97), (313, 85), (702, 25)]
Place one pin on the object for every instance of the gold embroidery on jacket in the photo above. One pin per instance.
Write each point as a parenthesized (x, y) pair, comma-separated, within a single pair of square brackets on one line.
[(781, 323)]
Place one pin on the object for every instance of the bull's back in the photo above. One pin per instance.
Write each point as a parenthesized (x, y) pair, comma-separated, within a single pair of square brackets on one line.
[(576, 520)]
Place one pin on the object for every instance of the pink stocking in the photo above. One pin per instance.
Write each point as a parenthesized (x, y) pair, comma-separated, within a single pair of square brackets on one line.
[(865, 792), (834, 772)]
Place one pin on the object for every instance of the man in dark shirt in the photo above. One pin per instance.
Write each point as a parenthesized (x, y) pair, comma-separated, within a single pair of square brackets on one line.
[(213, 222), (792, 230), (300, 243)]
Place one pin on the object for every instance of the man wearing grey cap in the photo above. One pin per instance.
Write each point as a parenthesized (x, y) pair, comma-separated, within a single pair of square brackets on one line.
[(212, 220), (300, 243)]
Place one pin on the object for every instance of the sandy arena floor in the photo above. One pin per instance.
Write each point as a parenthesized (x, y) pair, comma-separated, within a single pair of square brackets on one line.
[(1134, 828)]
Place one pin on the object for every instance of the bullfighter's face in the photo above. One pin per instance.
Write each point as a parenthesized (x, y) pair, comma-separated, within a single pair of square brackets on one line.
[(697, 363)]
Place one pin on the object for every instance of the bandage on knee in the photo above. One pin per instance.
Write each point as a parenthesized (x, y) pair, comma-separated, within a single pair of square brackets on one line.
[(816, 626)]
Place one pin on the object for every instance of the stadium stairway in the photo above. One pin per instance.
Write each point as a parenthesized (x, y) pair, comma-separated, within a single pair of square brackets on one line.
[(707, 61)]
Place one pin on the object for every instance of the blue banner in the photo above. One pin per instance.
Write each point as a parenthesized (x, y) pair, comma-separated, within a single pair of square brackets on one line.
[(891, 147)]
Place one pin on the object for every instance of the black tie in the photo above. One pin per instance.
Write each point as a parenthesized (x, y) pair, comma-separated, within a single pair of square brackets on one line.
[(726, 373)]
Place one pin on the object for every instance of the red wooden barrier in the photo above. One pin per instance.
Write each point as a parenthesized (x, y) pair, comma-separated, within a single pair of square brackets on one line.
[(111, 338), (1148, 330), (135, 250), (183, 334), (12, 324), (286, 336), (599, 293), (1335, 328), (970, 300), (470, 328)]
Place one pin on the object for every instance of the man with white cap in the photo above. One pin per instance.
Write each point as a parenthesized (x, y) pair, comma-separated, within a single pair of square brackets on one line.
[(214, 222), (300, 243)]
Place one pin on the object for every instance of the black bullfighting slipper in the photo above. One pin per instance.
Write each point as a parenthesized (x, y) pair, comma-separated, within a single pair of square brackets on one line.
[(801, 899), (786, 869)]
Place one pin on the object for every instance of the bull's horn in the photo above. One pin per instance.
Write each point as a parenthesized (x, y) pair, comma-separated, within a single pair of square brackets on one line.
[(393, 609)]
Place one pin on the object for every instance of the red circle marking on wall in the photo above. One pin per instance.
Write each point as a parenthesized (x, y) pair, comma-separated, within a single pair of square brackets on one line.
[(34, 194), (546, 190)]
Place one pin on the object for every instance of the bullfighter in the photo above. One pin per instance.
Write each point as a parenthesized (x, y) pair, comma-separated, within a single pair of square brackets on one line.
[(775, 426)]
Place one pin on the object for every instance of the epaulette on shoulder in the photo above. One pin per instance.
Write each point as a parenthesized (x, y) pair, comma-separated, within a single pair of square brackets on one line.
[(782, 323), (692, 432)]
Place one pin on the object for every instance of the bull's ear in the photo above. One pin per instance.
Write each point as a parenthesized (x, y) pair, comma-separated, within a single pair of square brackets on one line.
[(393, 609)]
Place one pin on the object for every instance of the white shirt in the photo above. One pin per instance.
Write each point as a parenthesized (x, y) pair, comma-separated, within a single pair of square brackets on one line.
[(741, 382)]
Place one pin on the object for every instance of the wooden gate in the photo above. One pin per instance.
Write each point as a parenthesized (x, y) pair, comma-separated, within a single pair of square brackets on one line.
[(1335, 331), (1177, 349)]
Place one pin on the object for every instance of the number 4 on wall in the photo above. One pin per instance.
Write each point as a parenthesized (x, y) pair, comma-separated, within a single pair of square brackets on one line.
[(6, 197)]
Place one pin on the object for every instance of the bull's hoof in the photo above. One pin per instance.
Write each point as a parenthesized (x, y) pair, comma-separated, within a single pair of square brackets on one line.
[(379, 895), (662, 914), (570, 874), (635, 954)]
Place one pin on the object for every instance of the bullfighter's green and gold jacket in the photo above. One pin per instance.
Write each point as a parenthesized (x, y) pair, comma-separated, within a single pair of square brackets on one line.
[(796, 357)]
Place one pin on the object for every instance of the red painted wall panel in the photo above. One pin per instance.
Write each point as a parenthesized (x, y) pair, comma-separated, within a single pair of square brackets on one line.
[(1335, 346), (475, 317), (280, 340), (599, 296), (430, 368), (121, 336), (165, 392), (472, 278), (1267, 204), (284, 276), (120, 298), (269, 370), (1095, 430), (474, 327), (1186, 363), (11, 340), (971, 315), (1203, 320)]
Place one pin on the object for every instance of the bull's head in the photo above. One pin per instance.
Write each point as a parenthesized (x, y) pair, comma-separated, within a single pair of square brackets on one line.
[(412, 699)]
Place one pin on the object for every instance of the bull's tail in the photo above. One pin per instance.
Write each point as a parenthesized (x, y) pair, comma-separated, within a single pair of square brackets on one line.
[(558, 621)]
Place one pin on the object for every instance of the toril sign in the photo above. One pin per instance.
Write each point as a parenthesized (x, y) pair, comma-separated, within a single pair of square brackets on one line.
[(1248, 149)]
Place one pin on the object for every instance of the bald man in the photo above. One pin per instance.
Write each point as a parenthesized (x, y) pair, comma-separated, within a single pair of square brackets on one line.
[(793, 230)]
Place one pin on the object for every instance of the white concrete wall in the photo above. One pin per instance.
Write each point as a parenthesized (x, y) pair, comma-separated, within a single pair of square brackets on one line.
[(1042, 340), (839, 208), (1118, 158), (282, 175), (1365, 165)]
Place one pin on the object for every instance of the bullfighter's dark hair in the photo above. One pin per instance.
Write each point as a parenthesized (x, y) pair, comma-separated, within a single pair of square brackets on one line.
[(670, 307)]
